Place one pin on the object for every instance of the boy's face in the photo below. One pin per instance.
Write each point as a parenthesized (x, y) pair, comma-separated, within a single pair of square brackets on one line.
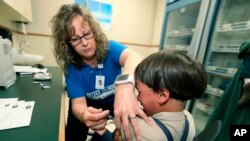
[(147, 97)]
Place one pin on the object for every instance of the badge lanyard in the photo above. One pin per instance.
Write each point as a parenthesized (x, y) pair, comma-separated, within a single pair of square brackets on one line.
[(99, 79)]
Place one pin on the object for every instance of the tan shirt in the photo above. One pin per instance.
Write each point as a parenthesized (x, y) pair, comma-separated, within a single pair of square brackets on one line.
[(174, 122)]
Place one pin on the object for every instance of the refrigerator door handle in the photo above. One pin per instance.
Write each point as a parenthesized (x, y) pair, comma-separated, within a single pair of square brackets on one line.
[(202, 17)]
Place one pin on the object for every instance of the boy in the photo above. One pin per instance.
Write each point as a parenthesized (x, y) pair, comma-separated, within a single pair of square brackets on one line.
[(164, 81)]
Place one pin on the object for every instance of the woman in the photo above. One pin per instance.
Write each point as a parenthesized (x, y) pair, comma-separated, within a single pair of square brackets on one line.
[(90, 63)]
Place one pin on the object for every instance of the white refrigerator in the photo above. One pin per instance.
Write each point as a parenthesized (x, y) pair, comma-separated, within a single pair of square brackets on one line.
[(210, 31)]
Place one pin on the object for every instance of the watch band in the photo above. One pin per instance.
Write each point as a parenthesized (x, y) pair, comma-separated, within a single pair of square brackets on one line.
[(124, 78)]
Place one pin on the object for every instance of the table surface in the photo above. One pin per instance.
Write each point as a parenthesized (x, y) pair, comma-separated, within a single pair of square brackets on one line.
[(45, 120)]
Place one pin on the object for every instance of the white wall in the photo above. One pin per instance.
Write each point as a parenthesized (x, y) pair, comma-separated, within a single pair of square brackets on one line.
[(133, 21), (158, 21), (155, 34)]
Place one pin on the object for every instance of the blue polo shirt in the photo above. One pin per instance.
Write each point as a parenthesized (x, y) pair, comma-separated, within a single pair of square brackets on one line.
[(82, 82)]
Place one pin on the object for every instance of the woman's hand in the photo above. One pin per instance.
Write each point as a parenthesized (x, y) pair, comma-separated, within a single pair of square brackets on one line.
[(126, 108), (95, 119)]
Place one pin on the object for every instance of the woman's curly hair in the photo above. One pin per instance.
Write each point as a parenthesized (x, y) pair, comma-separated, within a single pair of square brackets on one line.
[(62, 31)]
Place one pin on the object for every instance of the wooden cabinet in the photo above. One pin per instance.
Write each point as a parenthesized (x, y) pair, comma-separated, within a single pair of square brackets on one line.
[(17, 10)]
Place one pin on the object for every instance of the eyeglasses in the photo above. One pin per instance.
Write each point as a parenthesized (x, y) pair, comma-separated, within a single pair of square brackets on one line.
[(76, 40)]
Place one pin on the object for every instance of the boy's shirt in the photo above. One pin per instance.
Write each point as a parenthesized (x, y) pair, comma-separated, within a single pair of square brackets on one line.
[(174, 121)]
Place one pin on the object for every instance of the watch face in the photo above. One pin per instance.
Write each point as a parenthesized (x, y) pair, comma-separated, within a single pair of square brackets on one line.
[(122, 77)]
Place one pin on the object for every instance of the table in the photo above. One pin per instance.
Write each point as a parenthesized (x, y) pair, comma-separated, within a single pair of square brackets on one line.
[(47, 121)]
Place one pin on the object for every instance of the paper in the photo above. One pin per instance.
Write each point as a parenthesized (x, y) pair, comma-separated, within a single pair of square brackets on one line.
[(28, 69), (15, 113)]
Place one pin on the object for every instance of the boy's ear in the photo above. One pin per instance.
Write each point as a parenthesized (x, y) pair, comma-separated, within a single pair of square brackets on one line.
[(163, 96)]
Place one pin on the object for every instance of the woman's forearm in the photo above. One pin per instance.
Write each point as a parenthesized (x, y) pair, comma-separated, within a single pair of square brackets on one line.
[(79, 106)]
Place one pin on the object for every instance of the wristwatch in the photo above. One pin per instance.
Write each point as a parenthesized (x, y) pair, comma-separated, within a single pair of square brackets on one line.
[(124, 78)]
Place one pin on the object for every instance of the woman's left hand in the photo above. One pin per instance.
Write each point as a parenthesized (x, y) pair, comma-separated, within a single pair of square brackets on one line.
[(126, 108)]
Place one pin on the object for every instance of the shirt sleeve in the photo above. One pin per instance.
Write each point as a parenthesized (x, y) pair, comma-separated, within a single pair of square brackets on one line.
[(115, 50)]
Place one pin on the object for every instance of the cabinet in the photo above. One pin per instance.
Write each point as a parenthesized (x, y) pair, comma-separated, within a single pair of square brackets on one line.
[(210, 31), (16, 10), (229, 29), (47, 113), (183, 25)]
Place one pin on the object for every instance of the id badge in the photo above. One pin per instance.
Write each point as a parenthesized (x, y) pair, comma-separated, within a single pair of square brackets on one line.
[(99, 82)]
